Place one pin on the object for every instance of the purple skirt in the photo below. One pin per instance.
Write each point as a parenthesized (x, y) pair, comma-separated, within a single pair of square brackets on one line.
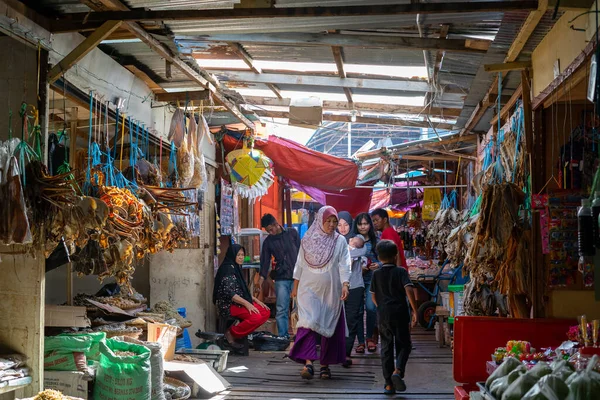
[(333, 349)]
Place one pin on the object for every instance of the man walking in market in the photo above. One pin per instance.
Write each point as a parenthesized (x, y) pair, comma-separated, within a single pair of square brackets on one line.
[(381, 222), (280, 250)]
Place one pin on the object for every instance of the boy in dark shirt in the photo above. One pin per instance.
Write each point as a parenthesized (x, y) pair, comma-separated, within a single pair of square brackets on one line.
[(388, 288)]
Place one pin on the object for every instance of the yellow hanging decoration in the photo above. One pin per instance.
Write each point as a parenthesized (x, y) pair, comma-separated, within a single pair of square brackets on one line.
[(251, 172)]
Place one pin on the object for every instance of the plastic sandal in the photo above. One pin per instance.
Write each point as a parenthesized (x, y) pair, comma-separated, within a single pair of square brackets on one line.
[(360, 349), (308, 372), (371, 346), (399, 384), (325, 373), (389, 389)]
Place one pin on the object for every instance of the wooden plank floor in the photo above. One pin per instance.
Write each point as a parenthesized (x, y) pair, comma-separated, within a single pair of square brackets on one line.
[(272, 376)]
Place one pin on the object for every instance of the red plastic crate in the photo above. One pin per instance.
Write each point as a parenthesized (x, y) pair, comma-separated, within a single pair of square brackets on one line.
[(476, 338)]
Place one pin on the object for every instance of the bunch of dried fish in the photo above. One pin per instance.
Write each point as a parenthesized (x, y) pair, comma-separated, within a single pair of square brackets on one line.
[(442, 225), (499, 247), (165, 308)]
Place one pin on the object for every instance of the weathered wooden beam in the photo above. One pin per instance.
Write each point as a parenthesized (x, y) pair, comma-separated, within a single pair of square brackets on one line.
[(509, 66), (275, 90), (338, 56), (571, 5), (346, 41), (83, 49), (197, 95), (374, 107), (532, 21), (243, 54), (203, 81), (155, 87), (290, 78), (513, 52), (439, 58), (453, 154), (359, 119), (505, 111), (76, 21), (440, 157)]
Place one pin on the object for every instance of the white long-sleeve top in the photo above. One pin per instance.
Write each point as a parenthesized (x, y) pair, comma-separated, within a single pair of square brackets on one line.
[(320, 290)]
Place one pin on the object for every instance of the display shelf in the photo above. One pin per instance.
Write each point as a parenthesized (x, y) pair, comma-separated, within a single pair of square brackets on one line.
[(8, 389)]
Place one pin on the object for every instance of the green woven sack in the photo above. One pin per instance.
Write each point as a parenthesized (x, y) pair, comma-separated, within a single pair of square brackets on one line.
[(94, 353), (63, 353), (123, 377)]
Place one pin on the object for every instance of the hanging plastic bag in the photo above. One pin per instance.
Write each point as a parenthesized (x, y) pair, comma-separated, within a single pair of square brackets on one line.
[(122, 376), (14, 224), (432, 201), (177, 128), (200, 178)]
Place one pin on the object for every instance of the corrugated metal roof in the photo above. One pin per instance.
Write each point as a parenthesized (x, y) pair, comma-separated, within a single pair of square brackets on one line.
[(320, 24), (180, 4)]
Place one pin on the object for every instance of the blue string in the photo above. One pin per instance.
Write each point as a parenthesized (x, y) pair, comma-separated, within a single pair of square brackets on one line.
[(519, 121), (173, 164), (114, 156), (88, 173)]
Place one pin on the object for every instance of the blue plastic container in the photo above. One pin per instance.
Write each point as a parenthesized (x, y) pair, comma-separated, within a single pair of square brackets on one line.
[(184, 341)]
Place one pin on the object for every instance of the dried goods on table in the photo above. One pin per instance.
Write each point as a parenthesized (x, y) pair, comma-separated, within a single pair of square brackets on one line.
[(51, 395), (170, 312)]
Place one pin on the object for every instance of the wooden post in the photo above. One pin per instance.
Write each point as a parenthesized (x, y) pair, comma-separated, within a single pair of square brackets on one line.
[(72, 157)]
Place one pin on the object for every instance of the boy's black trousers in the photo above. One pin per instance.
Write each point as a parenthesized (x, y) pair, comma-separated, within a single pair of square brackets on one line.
[(394, 332)]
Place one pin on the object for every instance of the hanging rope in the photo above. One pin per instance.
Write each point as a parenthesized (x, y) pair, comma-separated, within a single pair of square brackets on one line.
[(122, 143)]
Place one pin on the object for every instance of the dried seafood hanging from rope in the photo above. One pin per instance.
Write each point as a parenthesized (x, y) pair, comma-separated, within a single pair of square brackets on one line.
[(500, 245)]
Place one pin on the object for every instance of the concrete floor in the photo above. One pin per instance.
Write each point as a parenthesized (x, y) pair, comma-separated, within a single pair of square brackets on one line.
[(272, 376)]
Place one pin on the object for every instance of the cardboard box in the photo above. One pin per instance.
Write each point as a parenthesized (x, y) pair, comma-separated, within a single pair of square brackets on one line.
[(66, 317), (166, 335), (70, 383), (306, 112)]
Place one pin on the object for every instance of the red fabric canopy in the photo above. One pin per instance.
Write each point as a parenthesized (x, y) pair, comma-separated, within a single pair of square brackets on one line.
[(355, 201), (300, 164)]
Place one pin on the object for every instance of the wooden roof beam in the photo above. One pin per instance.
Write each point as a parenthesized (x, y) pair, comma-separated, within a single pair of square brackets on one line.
[(203, 79), (155, 87), (291, 78), (198, 95), (439, 58), (532, 21), (374, 107), (346, 41), (505, 111), (89, 44), (507, 66), (247, 58), (359, 119), (338, 56), (78, 21)]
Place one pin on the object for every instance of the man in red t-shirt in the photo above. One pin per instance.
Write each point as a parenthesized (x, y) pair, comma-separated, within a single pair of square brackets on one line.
[(381, 222)]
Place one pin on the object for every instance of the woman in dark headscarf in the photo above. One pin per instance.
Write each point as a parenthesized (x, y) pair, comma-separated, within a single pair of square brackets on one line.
[(232, 297), (345, 225)]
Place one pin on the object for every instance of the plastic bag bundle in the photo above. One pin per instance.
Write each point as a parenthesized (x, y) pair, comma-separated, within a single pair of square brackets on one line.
[(500, 385), (517, 389), (185, 162), (509, 365), (585, 384), (550, 387), (124, 372)]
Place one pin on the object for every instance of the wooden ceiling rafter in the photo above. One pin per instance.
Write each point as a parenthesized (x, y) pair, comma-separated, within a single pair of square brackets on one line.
[(239, 49), (532, 21), (386, 42), (363, 107)]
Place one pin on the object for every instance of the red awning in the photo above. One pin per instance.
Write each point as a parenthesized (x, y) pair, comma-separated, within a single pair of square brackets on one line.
[(307, 167)]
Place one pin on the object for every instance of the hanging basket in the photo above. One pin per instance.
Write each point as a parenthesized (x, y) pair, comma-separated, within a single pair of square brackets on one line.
[(251, 172)]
